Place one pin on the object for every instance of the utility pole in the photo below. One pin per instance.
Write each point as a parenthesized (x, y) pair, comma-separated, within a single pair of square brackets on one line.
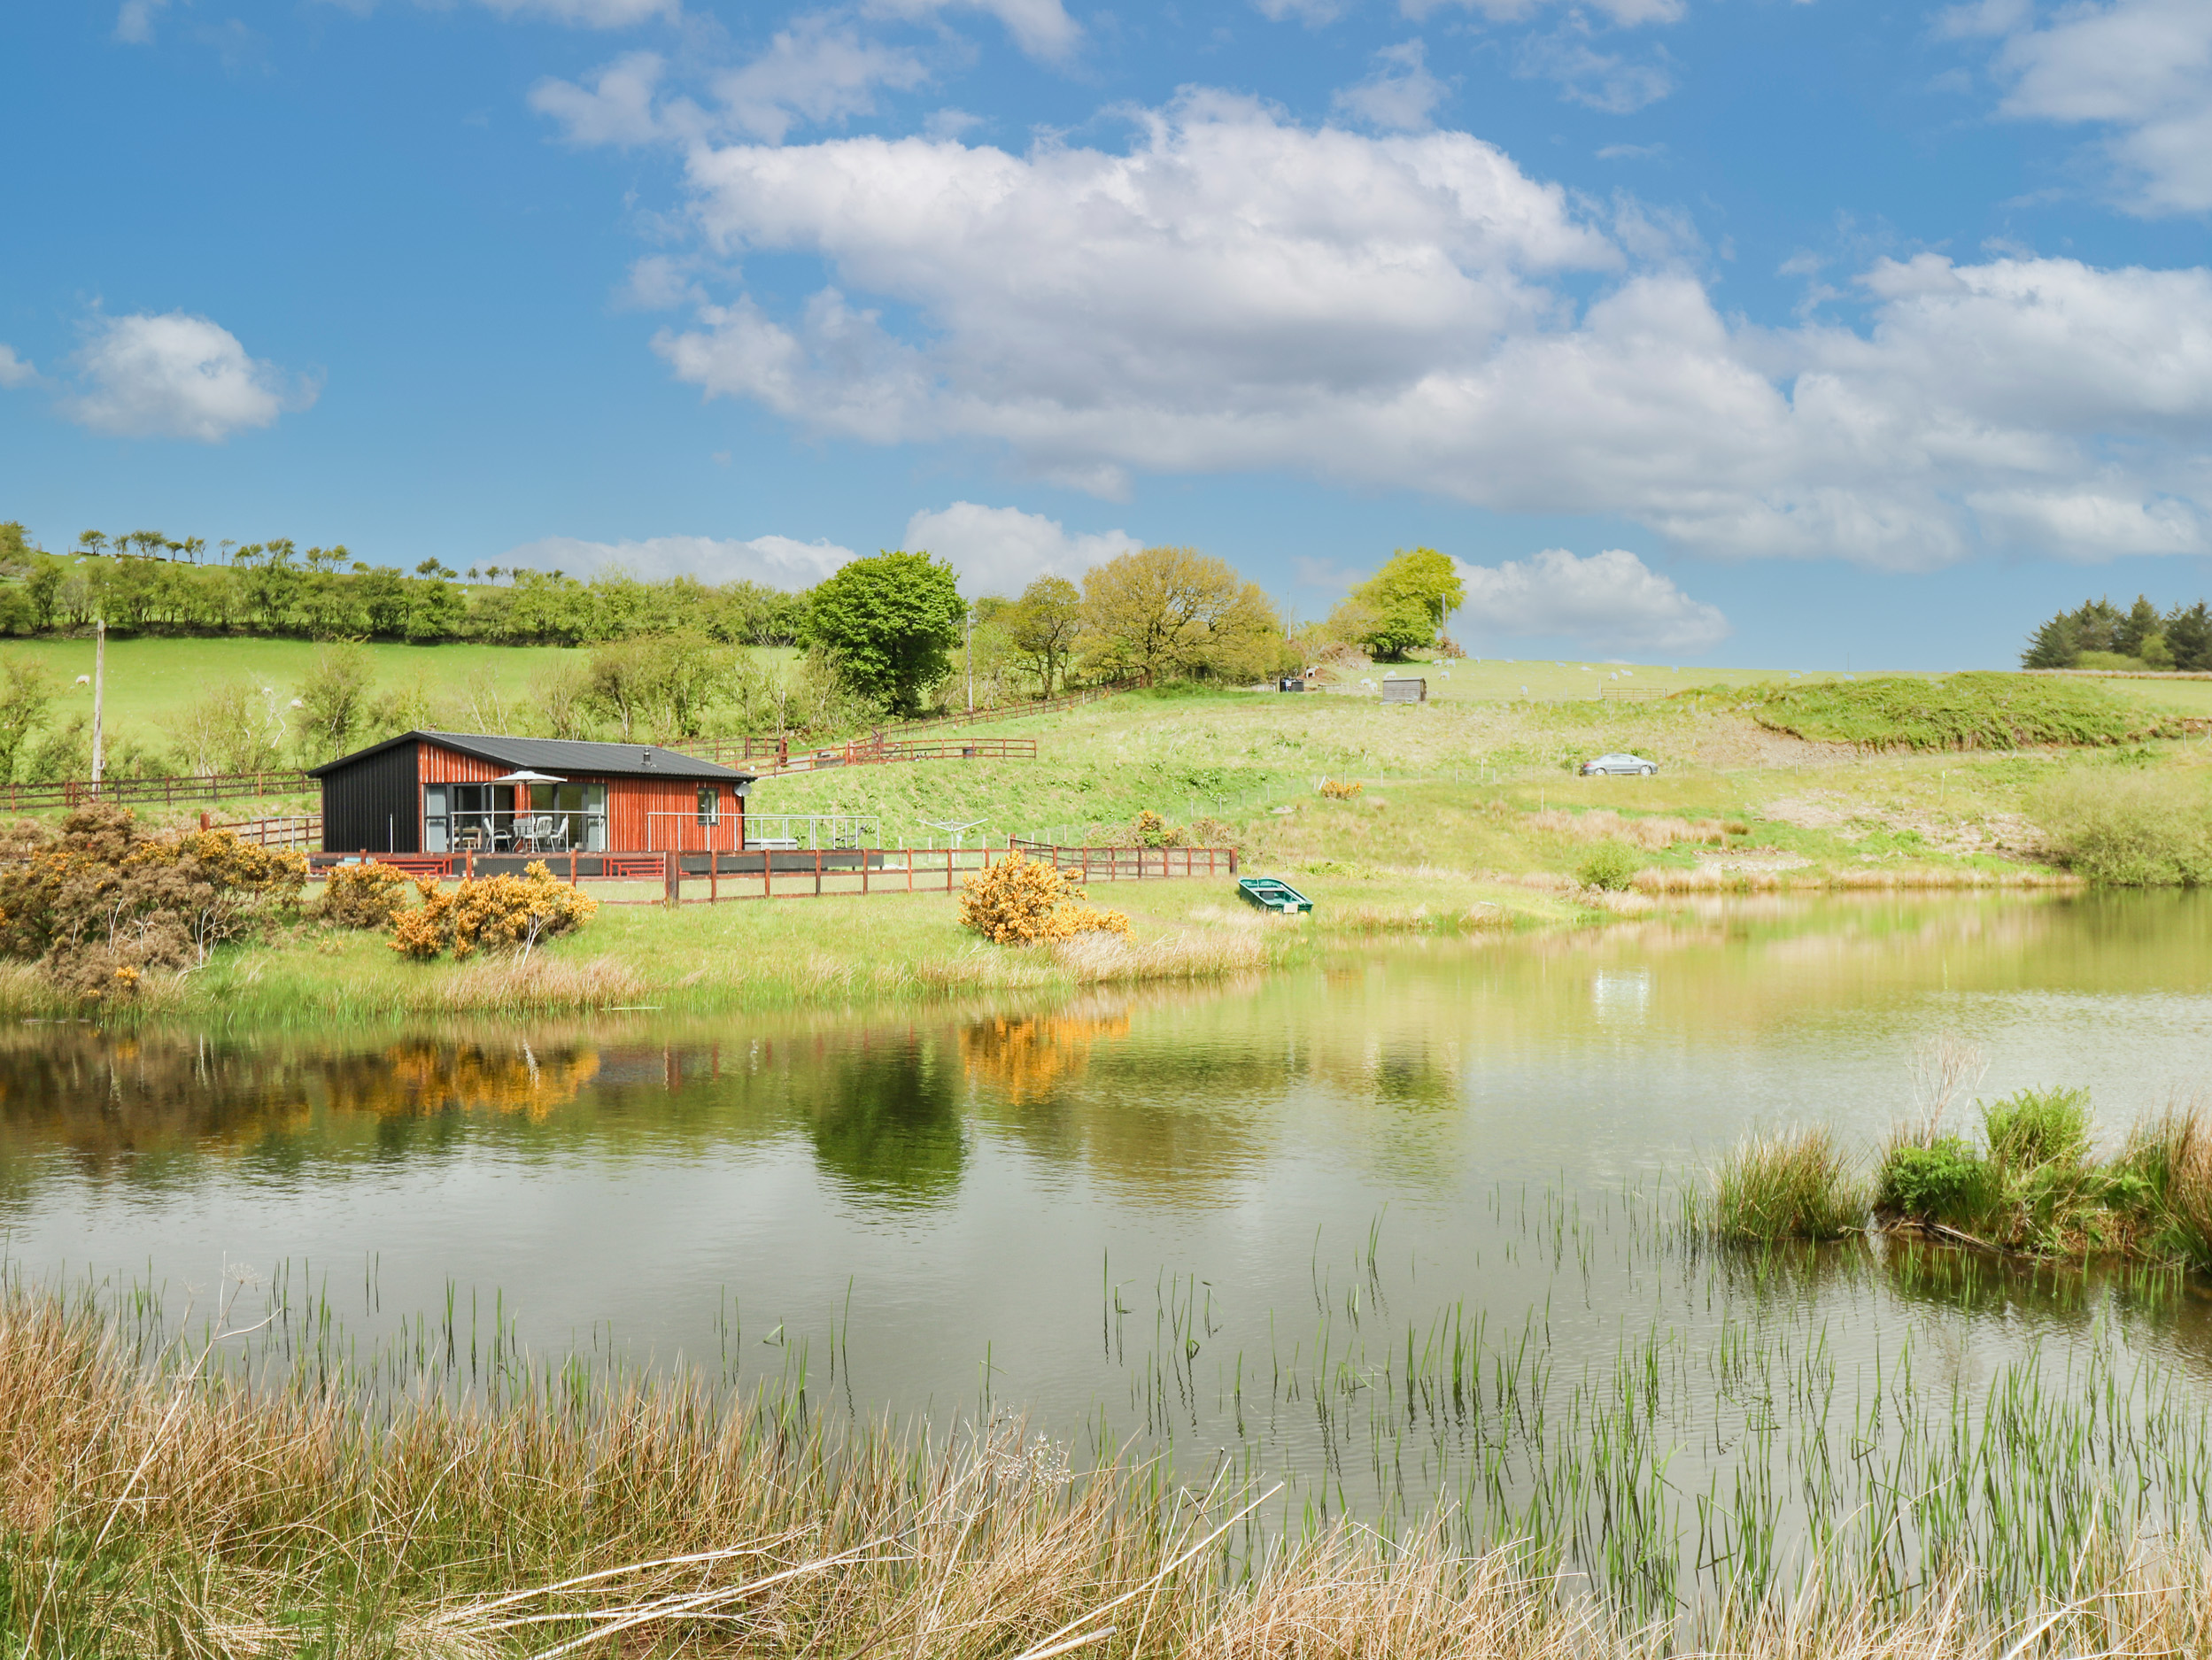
[(100, 687), (969, 622)]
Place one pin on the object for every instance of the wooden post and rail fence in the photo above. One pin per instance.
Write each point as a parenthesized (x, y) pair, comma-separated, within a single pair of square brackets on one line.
[(784, 873)]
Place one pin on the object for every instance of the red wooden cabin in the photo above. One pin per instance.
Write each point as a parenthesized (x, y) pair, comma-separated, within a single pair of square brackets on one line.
[(465, 792)]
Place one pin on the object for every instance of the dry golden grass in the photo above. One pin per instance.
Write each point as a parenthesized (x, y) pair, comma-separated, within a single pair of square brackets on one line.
[(1652, 834), (159, 1512)]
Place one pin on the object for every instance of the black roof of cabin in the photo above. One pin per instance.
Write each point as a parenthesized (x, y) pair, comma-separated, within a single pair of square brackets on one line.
[(558, 755)]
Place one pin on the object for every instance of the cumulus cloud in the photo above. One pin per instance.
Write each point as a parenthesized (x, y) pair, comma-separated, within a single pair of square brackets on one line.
[(1401, 94), (1002, 550), (1609, 602), (1235, 291), (2140, 69), (176, 376), (779, 561), (15, 371)]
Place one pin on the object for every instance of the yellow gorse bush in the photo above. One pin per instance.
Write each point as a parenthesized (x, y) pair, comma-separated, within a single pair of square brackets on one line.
[(1018, 901), (490, 912), (362, 896)]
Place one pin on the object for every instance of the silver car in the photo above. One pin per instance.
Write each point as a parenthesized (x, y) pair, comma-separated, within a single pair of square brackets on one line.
[(1619, 763)]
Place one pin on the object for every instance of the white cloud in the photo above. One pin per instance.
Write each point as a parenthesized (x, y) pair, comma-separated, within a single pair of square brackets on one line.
[(597, 14), (1624, 13), (177, 376), (1604, 80), (616, 109), (15, 371), (1236, 292), (1399, 96), (133, 24), (816, 71), (1312, 14), (1040, 27), (2142, 69), (778, 560), (1002, 550), (1609, 602)]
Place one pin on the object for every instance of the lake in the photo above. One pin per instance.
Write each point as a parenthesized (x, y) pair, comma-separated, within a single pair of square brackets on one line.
[(1401, 1229)]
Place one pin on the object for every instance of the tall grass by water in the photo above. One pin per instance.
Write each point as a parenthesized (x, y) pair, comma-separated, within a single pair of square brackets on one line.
[(1787, 1184), (1372, 1482)]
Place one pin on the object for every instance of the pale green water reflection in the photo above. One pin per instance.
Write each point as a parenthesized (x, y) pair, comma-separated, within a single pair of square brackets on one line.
[(1136, 1203)]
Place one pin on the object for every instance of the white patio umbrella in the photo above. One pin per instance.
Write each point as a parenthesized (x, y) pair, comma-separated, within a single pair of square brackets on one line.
[(527, 777)]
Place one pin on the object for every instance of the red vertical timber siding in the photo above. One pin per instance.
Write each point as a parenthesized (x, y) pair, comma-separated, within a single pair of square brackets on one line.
[(630, 803), (439, 765)]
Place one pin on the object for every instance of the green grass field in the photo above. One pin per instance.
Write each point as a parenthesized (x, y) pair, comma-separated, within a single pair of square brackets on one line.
[(150, 678)]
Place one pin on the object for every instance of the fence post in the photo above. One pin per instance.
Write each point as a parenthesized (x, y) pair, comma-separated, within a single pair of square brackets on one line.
[(572, 871), (817, 871), (1232, 862), (672, 876)]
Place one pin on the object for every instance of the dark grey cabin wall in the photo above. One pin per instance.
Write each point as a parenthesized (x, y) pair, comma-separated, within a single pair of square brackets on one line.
[(374, 804)]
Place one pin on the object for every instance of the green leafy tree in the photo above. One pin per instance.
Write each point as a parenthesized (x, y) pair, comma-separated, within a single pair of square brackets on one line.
[(1045, 625), (1405, 603), (26, 699), (1154, 612), (887, 625), (333, 703)]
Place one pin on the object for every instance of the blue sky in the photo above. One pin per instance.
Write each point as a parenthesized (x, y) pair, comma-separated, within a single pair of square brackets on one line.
[(1733, 331)]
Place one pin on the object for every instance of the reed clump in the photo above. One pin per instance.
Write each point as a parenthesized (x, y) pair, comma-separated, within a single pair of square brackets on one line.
[(1787, 1184), (2031, 1185)]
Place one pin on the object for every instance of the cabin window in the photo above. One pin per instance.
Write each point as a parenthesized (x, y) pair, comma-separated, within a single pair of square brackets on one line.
[(709, 806), (570, 815), (435, 839)]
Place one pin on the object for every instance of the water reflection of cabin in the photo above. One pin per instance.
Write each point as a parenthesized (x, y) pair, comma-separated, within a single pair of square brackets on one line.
[(451, 792)]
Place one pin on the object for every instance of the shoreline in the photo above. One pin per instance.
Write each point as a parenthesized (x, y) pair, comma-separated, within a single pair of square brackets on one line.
[(773, 955)]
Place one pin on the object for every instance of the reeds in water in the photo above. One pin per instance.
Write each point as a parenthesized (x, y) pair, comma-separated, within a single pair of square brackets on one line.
[(1787, 1185)]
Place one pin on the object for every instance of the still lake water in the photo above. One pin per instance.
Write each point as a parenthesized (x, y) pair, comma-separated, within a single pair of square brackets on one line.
[(1247, 1221)]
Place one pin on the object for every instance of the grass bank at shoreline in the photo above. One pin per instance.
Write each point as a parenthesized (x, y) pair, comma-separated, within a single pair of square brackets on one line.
[(1469, 819)]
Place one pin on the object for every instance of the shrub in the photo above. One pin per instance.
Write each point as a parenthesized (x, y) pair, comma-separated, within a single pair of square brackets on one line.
[(490, 912), (1021, 901), (101, 902), (2168, 1164), (1941, 1180), (362, 896), (2038, 1127), (2129, 829), (1336, 790), (1151, 830), (1791, 1186), (1609, 864)]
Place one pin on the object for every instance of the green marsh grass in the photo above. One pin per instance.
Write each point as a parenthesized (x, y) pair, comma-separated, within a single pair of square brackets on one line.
[(257, 1481), (1787, 1184)]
